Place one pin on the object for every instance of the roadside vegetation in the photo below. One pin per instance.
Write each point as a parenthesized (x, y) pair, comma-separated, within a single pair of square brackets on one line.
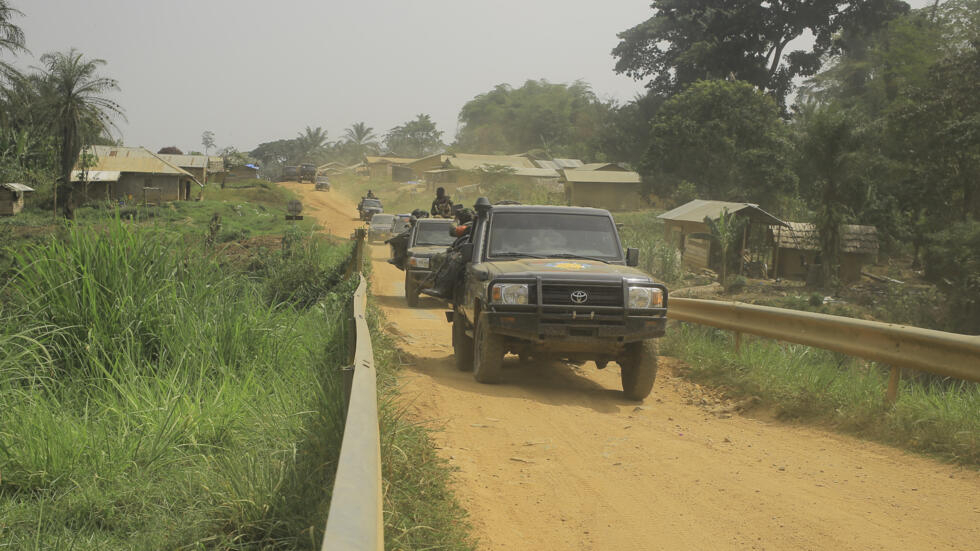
[(932, 414)]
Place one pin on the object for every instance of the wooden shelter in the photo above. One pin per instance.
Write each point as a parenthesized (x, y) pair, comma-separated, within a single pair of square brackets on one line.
[(698, 252), (796, 247), (12, 198)]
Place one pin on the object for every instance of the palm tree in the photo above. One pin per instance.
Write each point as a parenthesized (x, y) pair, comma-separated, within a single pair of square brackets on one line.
[(11, 37), (361, 140), (312, 141), (78, 106)]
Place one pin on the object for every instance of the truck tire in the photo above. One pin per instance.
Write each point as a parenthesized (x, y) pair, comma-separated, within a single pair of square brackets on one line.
[(462, 344), (638, 369), (412, 293), (488, 353)]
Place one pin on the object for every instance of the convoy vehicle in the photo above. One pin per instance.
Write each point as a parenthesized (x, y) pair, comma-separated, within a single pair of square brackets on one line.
[(369, 207), (553, 282), (306, 172), (379, 228), (322, 183), (429, 237), (290, 174), (402, 222)]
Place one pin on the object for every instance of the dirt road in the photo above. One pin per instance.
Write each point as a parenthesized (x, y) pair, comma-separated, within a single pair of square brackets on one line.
[(555, 458)]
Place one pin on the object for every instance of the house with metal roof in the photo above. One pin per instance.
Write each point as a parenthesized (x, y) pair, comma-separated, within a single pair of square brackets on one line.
[(796, 249), (467, 169), (607, 189), (603, 166), (685, 228), (195, 164), (12, 198), (132, 174), (393, 169)]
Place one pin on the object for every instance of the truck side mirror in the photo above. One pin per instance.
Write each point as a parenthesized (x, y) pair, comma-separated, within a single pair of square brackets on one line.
[(632, 256)]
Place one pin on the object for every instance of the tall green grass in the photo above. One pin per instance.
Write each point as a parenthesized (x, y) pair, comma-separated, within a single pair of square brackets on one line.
[(151, 399), (930, 415)]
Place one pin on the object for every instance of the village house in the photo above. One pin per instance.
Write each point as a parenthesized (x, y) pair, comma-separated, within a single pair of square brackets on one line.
[(685, 228), (602, 188), (132, 174), (392, 169), (467, 169), (243, 172), (12, 198), (796, 248), (194, 164)]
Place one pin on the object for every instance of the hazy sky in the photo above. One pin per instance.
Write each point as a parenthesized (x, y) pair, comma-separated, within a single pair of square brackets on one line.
[(253, 71)]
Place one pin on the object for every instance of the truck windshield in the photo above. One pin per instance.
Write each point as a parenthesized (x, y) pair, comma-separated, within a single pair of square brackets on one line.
[(433, 234), (553, 235), (370, 203)]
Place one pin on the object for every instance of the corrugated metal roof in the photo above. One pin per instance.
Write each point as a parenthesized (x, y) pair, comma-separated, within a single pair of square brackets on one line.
[(215, 164), (133, 159), (536, 172), (546, 164), (699, 209), (568, 163), (803, 236), (602, 166), (471, 161), (601, 176), (16, 187), (95, 176), (390, 160)]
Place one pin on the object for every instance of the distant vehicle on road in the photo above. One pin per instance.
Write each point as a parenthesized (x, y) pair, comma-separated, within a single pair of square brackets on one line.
[(402, 222), (553, 281), (306, 172), (289, 174), (369, 207), (429, 237), (380, 227), (322, 183)]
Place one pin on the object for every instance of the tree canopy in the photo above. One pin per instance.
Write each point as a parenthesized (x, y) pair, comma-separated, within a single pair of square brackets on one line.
[(415, 138), (558, 119), (690, 40), (724, 139)]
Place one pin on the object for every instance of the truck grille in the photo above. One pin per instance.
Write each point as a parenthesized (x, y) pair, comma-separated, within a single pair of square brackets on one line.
[(597, 295)]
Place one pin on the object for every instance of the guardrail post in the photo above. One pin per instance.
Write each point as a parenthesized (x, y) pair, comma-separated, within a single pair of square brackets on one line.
[(892, 393)]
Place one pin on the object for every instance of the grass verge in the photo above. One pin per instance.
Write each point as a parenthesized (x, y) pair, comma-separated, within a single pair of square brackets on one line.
[(931, 415)]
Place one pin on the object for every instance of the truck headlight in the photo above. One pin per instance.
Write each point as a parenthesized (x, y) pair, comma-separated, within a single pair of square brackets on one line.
[(645, 297), (509, 293), (419, 262)]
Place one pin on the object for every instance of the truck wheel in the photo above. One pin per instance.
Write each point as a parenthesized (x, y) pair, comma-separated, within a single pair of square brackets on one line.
[(462, 345), (638, 367), (412, 292), (488, 353)]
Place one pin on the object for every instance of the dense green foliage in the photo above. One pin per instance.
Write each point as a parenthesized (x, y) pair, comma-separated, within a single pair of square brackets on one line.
[(722, 140), (690, 40), (414, 139), (556, 119)]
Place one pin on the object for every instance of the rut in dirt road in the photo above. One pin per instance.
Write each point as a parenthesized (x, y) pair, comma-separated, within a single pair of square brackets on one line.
[(555, 458)]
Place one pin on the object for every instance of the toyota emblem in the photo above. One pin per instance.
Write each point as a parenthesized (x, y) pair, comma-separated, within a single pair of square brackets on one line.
[(579, 297)]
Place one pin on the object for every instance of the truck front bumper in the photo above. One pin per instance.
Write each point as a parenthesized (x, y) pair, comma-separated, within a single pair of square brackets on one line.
[(573, 327)]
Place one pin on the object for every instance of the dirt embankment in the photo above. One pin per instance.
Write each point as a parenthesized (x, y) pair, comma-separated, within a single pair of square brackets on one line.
[(555, 458)]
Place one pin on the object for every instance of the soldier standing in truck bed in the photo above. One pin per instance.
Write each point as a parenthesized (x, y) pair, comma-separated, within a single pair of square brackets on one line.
[(442, 205)]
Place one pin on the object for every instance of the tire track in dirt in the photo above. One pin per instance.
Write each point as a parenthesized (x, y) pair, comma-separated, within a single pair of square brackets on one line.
[(555, 458)]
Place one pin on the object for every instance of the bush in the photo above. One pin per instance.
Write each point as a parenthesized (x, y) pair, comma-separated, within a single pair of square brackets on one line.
[(736, 284), (952, 261)]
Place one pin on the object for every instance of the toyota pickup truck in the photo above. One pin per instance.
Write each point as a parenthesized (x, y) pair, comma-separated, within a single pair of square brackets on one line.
[(429, 237), (554, 282)]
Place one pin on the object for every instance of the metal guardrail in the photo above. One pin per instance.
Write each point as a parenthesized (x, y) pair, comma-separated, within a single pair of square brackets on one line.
[(355, 520), (898, 346)]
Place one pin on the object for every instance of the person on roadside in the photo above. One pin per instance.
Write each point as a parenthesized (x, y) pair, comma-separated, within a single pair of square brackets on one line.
[(442, 205)]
